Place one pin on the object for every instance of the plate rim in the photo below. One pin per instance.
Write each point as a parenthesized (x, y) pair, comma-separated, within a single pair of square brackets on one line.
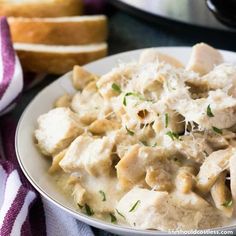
[(101, 224)]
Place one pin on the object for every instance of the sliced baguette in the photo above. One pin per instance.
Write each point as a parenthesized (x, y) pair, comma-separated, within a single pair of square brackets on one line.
[(60, 30), (57, 59), (41, 8)]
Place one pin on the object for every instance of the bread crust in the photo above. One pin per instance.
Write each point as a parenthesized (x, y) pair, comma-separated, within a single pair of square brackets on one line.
[(54, 62), (43, 31), (42, 8)]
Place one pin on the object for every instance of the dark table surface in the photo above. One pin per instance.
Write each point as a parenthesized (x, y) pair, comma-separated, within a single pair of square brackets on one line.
[(128, 32)]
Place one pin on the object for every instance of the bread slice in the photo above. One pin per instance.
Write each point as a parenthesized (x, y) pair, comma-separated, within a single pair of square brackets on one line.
[(41, 8), (60, 30), (41, 58)]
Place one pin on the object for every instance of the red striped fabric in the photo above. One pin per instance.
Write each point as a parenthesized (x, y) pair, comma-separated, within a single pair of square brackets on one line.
[(11, 76), (7, 56), (17, 196)]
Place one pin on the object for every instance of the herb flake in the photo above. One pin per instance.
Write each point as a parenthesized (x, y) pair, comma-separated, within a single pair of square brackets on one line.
[(137, 95), (166, 120), (209, 112), (134, 206), (217, 130), (120, 214), (88, 210), (103, 195), (126, 95), (228, 203), (80, 206), (113, 218), (172, 135), (130, 132), (116, 88)]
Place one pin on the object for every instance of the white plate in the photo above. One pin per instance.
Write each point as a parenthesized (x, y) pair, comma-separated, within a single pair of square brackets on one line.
[(35, 167)]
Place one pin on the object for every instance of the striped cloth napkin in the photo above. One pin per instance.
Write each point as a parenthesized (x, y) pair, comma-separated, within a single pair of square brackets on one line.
[(11, 79), (22, 211)]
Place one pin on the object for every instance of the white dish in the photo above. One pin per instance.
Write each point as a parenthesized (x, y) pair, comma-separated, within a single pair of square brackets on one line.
[(35, 167)]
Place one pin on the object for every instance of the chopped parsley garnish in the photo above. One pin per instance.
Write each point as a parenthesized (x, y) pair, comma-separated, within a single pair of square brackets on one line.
[(88, 210), (130, 132), (103, 195), (172, 135), (166, 120), (134, 206), (113, 218), (116, 88), (217, 130), (209, 112), (126, 95), (138, 95), (120, 214), (228, 203), (80, 206)]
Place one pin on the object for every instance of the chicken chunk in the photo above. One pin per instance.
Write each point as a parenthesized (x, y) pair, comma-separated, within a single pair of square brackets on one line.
[(188, 200), (90, 154), (102, 193), (222, 76), (212, 167), (132, 167), (56, 130), (118, 76), (152, 55), (223, 108), (204, 58), (198, 145), (142, 202), (81, 77), (126, 166), (196, 211), (163, 212)]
